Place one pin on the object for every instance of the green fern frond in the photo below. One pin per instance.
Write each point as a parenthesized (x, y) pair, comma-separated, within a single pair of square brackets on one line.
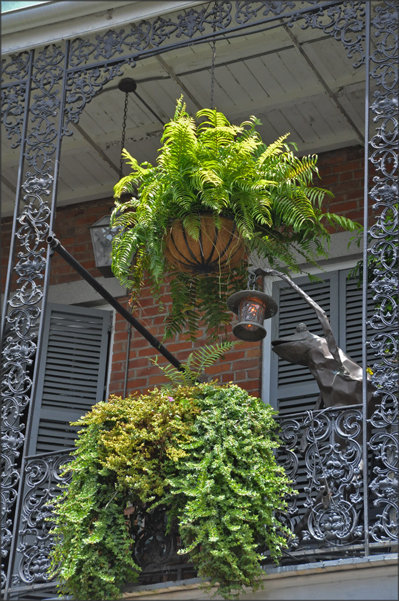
[(343, 222), (191, 223), (245, 223), (213, 119), (196, 363), (302, 169), (207, 175), (206, 356), (273, 149), (207, 164), (130, 160), (316, 195), (175, 376), (126, 184)]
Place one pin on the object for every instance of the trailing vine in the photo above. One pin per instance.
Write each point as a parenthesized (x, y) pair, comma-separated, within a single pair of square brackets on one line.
[(91, 537), (228, 489), (205, 452)]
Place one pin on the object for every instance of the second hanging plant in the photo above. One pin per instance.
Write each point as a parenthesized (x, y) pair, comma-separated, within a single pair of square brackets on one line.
[(216, 194), (203, 455)]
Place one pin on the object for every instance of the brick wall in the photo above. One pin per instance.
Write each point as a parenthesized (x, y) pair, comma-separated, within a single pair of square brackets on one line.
[(341, 171), (241, 365), (72, 229)]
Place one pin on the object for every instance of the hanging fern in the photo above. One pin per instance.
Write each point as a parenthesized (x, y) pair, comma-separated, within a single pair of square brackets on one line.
[(210, 165)]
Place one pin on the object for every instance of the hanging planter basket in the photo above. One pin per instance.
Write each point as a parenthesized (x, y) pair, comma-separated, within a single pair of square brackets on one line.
[(216, 251)]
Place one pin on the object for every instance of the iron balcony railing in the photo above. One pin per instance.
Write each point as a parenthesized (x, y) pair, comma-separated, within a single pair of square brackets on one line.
[(335, 514), (343, 506)]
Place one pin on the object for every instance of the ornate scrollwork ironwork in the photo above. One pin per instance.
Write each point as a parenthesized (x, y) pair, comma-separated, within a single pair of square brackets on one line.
[(23, 311), (153, 547), (12, 106), (157, 546), (345, 22), (82, 87), (44, 478), (383, 236), (331, 460), (15, 72), (321, 450)]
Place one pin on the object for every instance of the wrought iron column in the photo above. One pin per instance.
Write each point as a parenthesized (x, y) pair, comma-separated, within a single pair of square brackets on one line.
[(45, 90), (364, 282), (39, 134), (383, 267)]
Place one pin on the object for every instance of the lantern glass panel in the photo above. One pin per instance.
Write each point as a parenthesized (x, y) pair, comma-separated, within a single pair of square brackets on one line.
[(252, 311), (101, 237)]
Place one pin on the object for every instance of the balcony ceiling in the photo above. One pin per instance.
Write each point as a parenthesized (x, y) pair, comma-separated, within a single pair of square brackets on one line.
[(294, 80)]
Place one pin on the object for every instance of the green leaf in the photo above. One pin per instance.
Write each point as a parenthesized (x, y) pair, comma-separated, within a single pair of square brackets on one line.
[(206, 164)]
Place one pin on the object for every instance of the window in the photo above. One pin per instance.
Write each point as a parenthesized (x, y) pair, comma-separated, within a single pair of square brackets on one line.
[(72, 373), (292, 387)]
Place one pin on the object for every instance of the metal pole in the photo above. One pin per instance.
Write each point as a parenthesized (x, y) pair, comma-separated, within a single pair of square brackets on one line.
[(57, 247), (126, 376), (365, 282)]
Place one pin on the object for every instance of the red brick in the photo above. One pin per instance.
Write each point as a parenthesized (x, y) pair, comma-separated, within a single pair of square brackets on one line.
[(220, 368), (254, 352), (118, 357), (137, 383), (245, 363), (252, 374)]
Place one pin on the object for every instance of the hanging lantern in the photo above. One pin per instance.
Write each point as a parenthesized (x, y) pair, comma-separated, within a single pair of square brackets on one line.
[(101, 239), (101, 231), (252, 308)]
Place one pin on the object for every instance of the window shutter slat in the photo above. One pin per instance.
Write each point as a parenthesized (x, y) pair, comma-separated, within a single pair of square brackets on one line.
[(293, 387), (72, 370), (341, 298)]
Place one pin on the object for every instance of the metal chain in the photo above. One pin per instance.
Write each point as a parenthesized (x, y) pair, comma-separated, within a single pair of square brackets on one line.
[(213, 75), (251, 280), (129, 331), (123, 133)]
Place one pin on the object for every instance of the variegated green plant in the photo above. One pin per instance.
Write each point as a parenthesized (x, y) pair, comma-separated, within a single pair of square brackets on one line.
[(208, 165), (206, 453)]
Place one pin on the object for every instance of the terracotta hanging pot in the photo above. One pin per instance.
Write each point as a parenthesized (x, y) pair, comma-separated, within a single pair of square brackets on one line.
[(216, 250)]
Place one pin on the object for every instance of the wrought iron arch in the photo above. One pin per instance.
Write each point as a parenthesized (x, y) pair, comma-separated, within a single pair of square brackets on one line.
[(45, 90)]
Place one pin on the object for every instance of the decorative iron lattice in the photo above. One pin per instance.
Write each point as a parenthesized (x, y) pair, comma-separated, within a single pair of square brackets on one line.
[(37, 133), (45, 90), (155, 551), (45, 477), (383, 268), (322, 451), (13, 95), (345, 21)]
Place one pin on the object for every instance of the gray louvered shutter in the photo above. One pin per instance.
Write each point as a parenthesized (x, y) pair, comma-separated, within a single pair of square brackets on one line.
[(350, 335), (293, 387), (72, 373)]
